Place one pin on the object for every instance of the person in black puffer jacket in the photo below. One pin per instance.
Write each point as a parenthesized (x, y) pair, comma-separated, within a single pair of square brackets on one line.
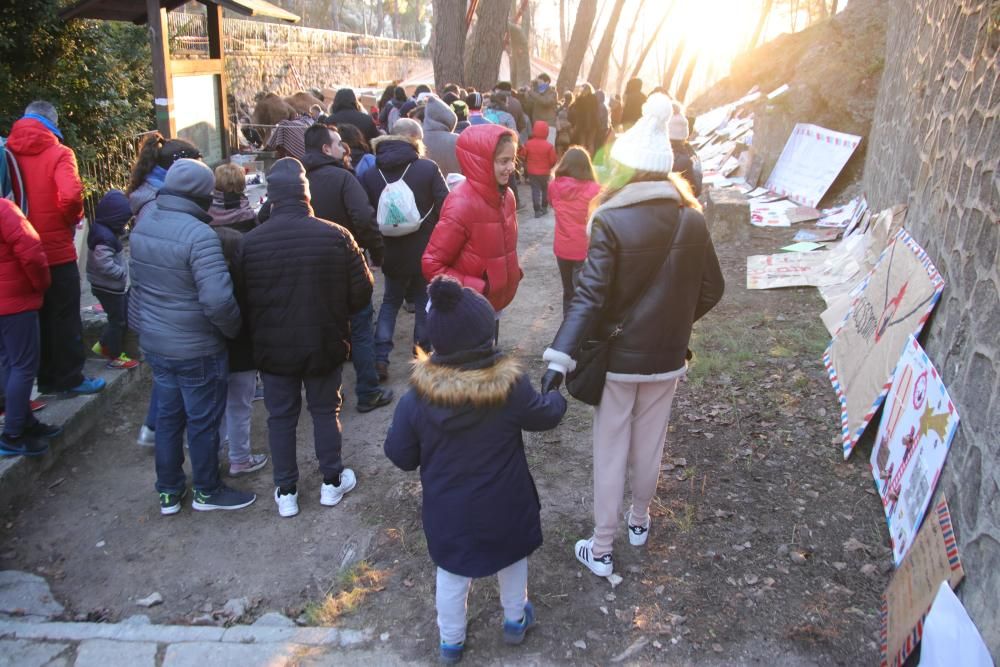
[(301, 279), (347, 110), (651, 272), (394, 155), (338, 197)]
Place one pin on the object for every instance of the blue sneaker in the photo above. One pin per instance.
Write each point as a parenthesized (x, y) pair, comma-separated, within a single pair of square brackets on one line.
[(451, 653), (223, 498), (22, 445), (88, 386), (514, 631)]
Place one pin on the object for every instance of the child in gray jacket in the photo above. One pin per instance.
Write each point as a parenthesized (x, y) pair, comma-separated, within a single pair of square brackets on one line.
[(107, 272)]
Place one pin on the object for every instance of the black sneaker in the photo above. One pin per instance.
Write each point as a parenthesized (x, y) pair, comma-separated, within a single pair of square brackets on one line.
[(22, 445), (223, 498), (381, 399), (170, 503), (42, 430)]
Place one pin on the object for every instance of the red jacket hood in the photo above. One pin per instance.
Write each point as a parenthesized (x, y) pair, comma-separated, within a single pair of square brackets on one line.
[(540, 130), (30, 137), (474, 150)]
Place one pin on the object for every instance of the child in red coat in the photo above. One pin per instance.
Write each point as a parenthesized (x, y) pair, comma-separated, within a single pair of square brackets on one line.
[(571, 193), (540, 157)]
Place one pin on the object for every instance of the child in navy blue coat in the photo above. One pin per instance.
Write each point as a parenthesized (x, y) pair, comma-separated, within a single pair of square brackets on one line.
[(461, 424)]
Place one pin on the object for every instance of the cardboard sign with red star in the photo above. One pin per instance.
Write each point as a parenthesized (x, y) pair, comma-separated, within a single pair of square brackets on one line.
[(918, 423)]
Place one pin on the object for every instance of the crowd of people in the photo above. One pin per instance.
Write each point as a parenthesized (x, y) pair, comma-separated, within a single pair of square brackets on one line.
[(221, 294)]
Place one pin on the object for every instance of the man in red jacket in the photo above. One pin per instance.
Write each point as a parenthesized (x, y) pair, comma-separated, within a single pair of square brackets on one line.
[(55, 206), (24, 277)]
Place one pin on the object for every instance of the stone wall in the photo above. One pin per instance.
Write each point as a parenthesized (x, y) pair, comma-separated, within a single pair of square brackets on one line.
[(935, 145), (251, 73)]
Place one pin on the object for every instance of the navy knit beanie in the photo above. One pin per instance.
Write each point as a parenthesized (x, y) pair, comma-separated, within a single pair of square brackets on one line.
[(287, 180), (460, 321), (113, 211)]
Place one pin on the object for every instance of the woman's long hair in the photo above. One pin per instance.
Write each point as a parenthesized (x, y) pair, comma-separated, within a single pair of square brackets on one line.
[(623, 176), (158, 151)]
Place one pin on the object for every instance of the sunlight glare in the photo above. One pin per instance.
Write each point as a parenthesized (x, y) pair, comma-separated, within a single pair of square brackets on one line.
[(716, 30)]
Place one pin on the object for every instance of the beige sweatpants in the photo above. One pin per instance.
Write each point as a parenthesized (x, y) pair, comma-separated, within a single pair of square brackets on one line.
[(630, 427)]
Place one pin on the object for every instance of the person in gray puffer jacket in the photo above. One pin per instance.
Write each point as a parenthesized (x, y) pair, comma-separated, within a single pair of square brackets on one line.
[(184, 310), (439, 135)]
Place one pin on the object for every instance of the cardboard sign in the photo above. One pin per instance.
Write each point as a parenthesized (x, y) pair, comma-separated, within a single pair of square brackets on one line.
[(892, 302), (917, 427), (809, 163), (790, 269), (932, 559), (771, 214)]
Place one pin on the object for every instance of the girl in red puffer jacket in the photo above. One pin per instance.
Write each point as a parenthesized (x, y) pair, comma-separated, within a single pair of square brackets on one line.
[(475, 239), (571, 193)]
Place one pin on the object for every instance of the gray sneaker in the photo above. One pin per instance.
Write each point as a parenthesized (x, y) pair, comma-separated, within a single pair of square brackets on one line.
[(253, 464)]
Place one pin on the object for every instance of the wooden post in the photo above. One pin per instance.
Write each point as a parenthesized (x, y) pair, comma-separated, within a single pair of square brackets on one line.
[(217, 52), (163, 93)]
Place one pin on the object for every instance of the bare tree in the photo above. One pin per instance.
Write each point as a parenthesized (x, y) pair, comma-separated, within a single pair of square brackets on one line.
[(675, 61), (651, 41), (562, 27), (622, 66), (448, 53), (485, 46), (577, 45), (599, 68), (686, 79), (765, 11), (520, 47)]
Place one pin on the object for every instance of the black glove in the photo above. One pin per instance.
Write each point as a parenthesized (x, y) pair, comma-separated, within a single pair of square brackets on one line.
[(551, 381)]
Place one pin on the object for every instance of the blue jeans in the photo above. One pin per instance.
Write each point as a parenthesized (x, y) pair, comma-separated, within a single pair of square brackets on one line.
[(154, 408), (414, 290), (19, 354), (191, 393), (283, 400), (363, 355)]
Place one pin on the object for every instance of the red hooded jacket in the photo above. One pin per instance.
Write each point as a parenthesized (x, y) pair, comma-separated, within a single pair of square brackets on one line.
[(52, 182), (570, 199), (24, 271), (539, 154), (475, 239)]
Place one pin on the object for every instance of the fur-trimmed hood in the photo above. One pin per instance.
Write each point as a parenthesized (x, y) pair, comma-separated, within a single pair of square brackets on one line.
[(454, 388)]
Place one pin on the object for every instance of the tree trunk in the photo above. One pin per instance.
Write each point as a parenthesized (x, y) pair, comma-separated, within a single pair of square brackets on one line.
[(834, 4), (449, 42), (765, 11), (520, 49), (650, 42), (624, 64), (577, 46), (485, 48), (599, 69), (686, 79), (562, 28), (675, 61)]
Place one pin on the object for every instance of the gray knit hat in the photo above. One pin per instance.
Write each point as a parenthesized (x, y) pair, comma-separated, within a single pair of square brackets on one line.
[(287, 180), (190, 177)]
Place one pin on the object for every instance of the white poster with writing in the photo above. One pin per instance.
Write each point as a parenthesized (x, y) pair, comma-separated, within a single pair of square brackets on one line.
[(809, 163)]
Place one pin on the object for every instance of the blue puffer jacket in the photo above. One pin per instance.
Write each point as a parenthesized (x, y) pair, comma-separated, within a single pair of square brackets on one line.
[(182, 301)]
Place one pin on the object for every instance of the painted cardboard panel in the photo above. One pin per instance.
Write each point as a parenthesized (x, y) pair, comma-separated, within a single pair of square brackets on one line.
[(809, 163)]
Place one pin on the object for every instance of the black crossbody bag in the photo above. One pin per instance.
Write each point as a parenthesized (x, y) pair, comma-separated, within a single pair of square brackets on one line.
[(586, 382)]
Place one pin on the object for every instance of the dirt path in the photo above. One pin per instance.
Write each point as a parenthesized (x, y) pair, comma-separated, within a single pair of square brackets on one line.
[(766, 548)]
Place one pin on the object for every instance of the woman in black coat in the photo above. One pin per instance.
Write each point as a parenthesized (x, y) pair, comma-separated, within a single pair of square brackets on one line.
[(650, 273), (346, 109), (583, 118)]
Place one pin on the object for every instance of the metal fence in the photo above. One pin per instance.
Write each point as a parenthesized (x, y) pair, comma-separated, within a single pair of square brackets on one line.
[(107, 167), (188, 37)]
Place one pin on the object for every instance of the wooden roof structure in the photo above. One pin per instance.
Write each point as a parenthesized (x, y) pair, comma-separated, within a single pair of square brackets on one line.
[(165, 69)]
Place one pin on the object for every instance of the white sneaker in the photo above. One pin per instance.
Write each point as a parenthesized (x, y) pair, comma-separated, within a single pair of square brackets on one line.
[(602, 566), (288, 504), (637, 535), (330, 495), (147, 437)]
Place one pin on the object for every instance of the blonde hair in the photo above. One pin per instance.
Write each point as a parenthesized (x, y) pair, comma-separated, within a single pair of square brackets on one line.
[(627, 176), (229, 178)]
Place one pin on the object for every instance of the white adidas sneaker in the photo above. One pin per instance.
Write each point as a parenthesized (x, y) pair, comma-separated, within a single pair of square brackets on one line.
[(602, 566), (288, 504), (637, 534)]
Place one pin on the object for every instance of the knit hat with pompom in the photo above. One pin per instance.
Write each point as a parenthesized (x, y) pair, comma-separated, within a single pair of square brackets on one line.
[(677, 126), (646, 146), (461, 323)]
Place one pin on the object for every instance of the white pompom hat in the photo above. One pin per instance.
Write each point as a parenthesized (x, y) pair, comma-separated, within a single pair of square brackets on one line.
[(646, 146), (678, 124)]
